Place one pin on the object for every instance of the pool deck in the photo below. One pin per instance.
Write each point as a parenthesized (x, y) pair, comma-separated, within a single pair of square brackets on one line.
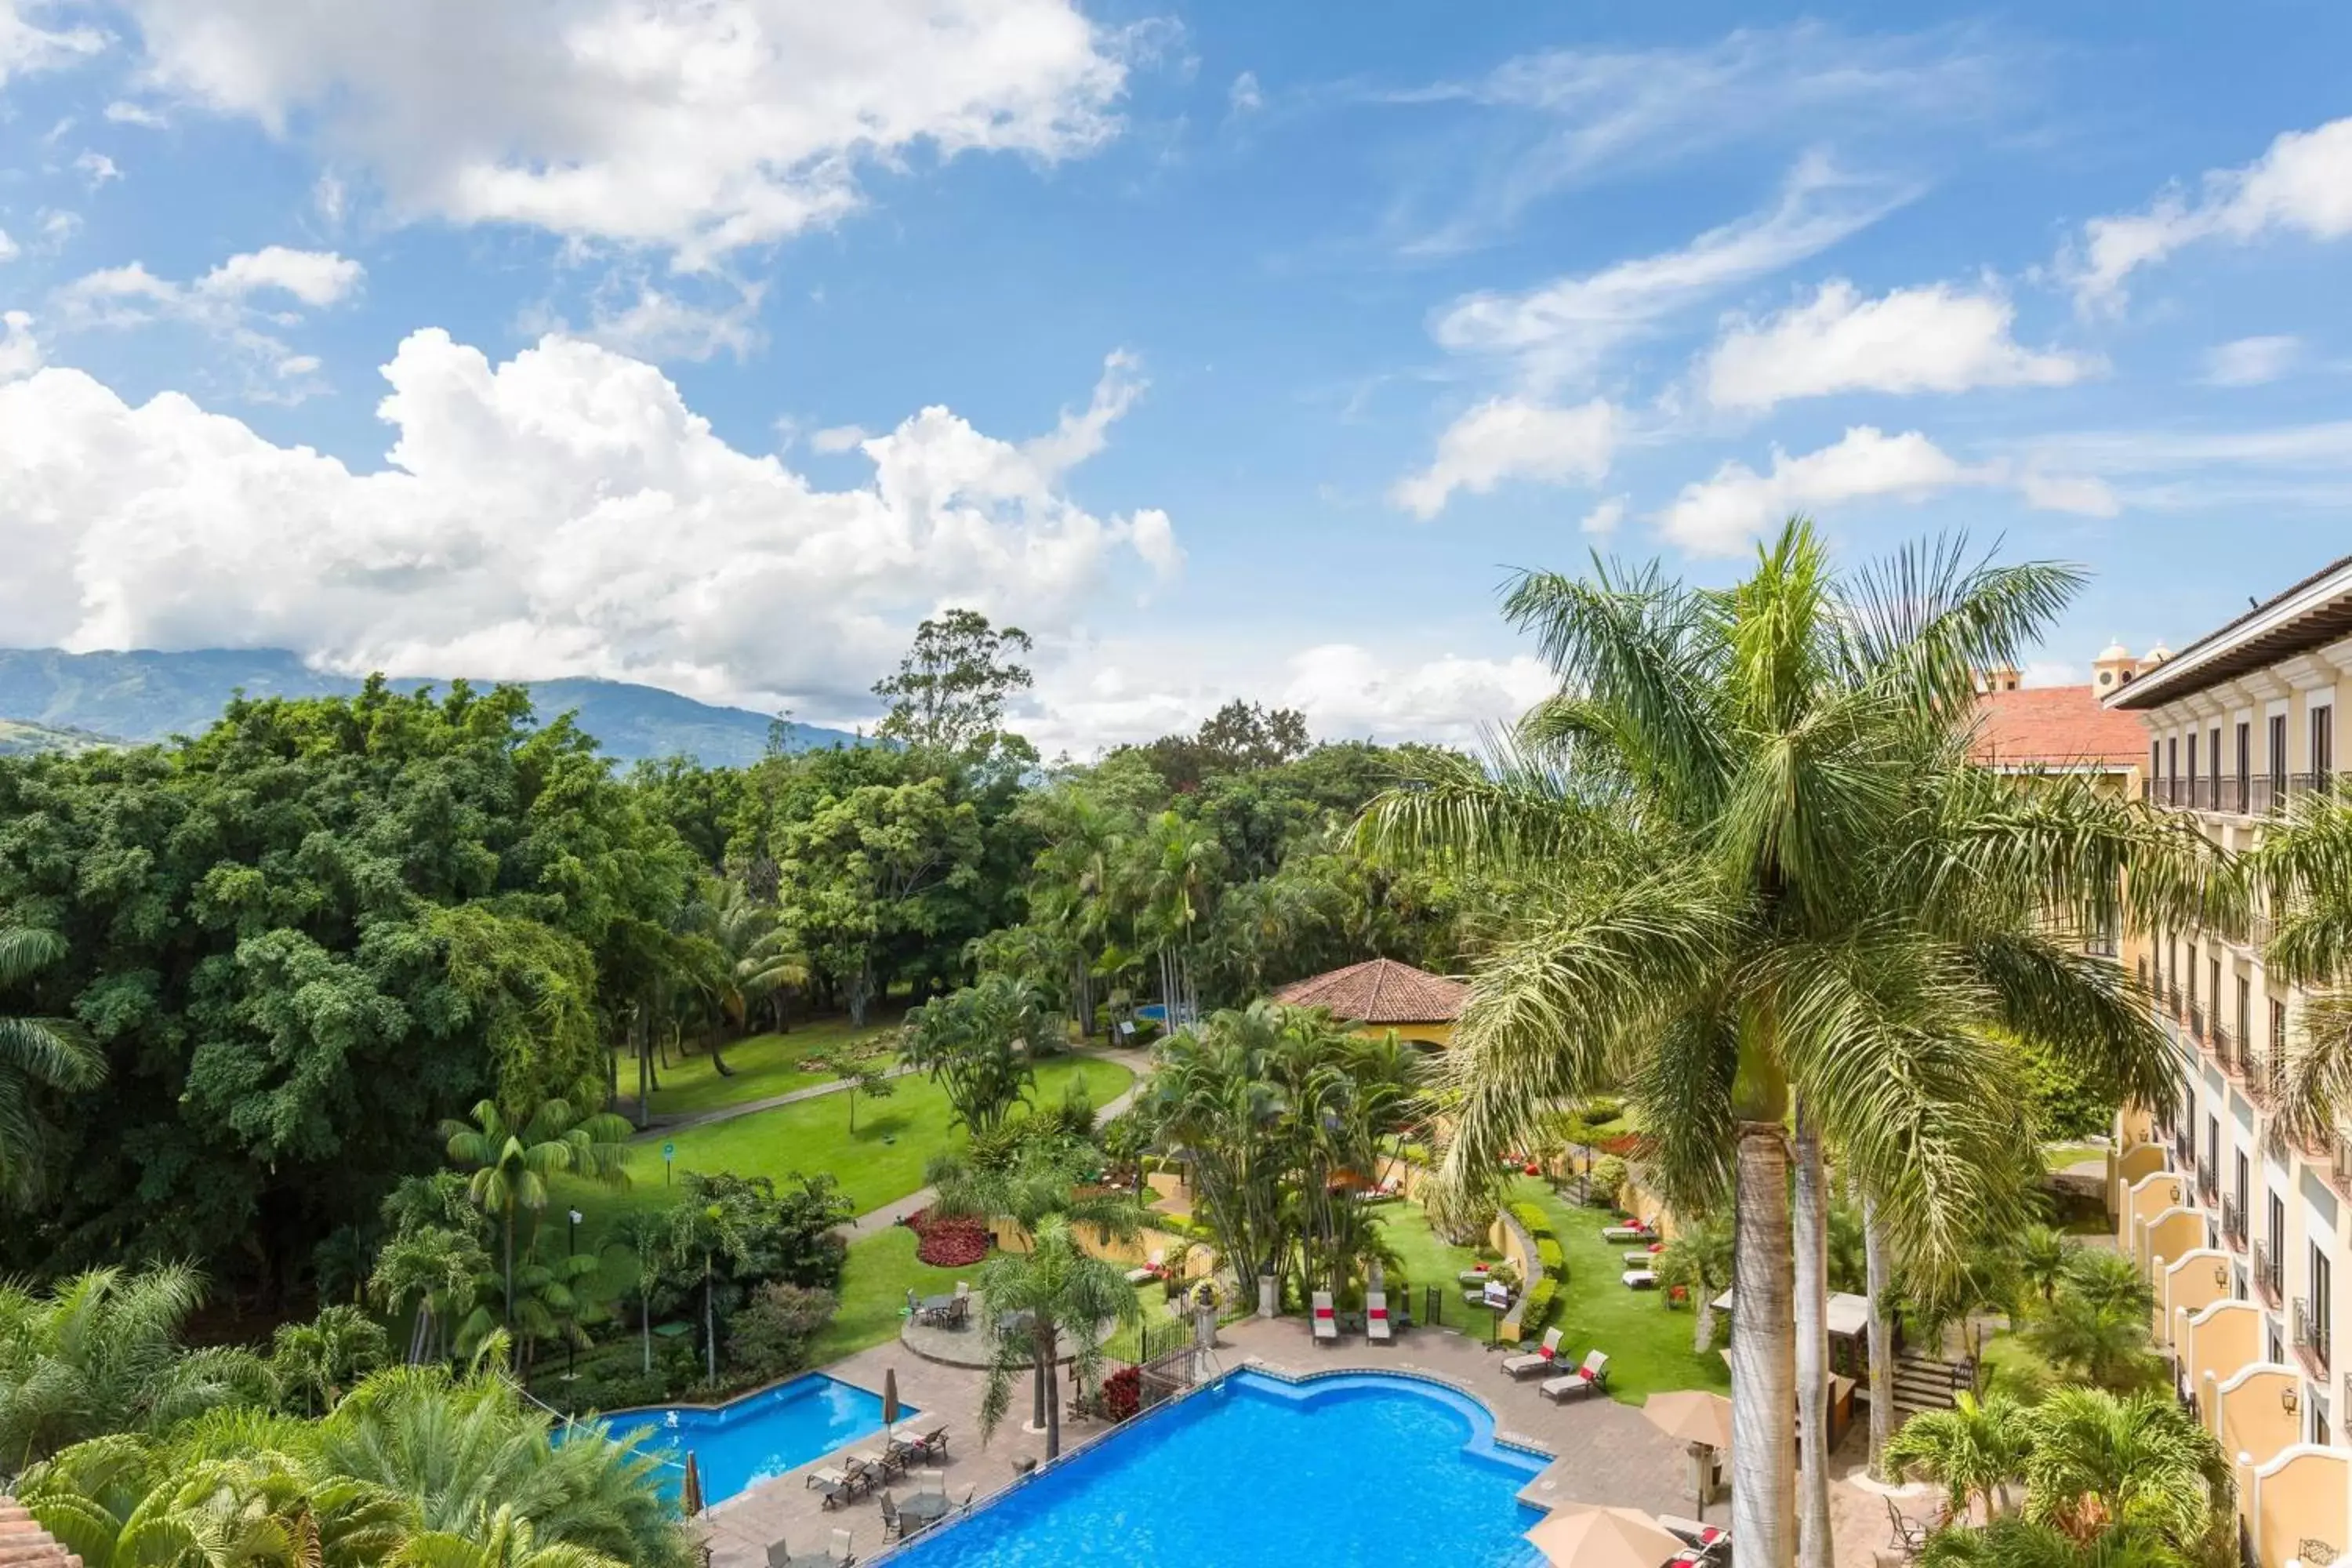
[(1604, 1451)]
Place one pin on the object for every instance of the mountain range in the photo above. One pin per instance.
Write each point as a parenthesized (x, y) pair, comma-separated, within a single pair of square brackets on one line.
[(52, 700)]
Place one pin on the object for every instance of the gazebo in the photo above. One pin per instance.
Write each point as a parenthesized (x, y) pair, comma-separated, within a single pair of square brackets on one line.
[(1382, 995)]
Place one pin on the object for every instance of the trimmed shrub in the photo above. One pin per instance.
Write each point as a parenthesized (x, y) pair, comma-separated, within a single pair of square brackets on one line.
[(1533, 1218), (1548, 1254), (1540, 1304), (1608, 1175), (770, 1337)]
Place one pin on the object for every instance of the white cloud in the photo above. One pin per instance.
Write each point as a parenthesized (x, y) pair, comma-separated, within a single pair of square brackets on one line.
[(20, 353), (660, 326), (58, 227), (2301, 184), (1572, 116), (122, 111), (1349, 690), (97, 168), (1564, 330), (1512, 439), (9, 249), (839, 439), (1602, 520), (27, 46), (1244, 96), (701, 126), (238, 302), (1718, 515), (1932, 339), (564, 513), (2249, 362), (1079, 435)]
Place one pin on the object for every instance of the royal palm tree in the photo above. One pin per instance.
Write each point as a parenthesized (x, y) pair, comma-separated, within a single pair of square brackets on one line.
[(1976, 1451), (438, 1267), (512, 1165), (2302, 871), (1172, 879), (1065, 1293), (51, 1053), (1761, 879)]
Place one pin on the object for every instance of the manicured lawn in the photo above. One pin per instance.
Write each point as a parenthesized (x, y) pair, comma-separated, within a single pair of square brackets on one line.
[(1648, 1346), (1427, 1257), (763, 1065), (881, 1270), (883, 1161), (2058, 1156)]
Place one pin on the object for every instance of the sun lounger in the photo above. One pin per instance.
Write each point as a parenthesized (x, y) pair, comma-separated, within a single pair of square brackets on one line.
[(1588, 1378), (1327, 1321), (1621, 1234), (1639, 1278), (1471, 1276), (1377, 1328), (1534, 1361)]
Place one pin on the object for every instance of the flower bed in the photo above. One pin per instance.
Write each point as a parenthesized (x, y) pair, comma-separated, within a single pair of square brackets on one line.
[(948, 1243)]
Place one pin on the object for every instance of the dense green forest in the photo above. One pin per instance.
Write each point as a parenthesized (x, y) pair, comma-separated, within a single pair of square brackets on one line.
[(299, 942)]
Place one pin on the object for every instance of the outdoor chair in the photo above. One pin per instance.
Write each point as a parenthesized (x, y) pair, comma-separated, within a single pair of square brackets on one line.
[(1327, 1321), (1588, 1378), (841, 1551), (779, 1554), (894, 1527), (1639, 1278), (1534, 1361), (1378, 1329), (1910, 1536), (934, 1443)]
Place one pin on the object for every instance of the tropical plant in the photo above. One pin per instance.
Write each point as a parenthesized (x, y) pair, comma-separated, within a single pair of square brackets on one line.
[(1698, 1261), (511, 1164), (2043, 1258), (1757, 878), (101, 1354), (2300, 870), (2099, 1461), (980, 1045), (1065, 1293), (49, 1052), (2022, 1543), (438, 1267), (313, 1362), (2098, 1341), (1975, 1451), (868, 1079), (500, 1541)]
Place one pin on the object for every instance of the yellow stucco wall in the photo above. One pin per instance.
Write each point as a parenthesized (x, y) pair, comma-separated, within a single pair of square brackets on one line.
[(2151, 1197), (2134, 1164), (2248, 1419), (2300, 1496), (2222, 1341), (1426, 1034)]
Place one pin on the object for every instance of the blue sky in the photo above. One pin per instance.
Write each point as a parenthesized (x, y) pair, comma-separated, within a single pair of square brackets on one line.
[(1234, 350)]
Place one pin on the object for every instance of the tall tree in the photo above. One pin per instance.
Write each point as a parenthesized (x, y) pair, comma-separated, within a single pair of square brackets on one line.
[(981, 1046), (49, 1052), (1757, 866), (1063, 1292), (950, 692), (511, 1163)]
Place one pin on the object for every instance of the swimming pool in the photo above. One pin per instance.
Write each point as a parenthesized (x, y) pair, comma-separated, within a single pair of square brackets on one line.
[(1355, 1469), (759, 1436)]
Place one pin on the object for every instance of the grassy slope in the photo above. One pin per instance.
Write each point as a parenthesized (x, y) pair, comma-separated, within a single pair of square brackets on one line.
[(1648, 1346), (763, 1065), (882, 1162)]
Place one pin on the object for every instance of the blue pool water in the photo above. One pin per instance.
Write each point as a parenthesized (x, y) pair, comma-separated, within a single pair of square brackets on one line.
[(761, 1436), (1362, 1468)]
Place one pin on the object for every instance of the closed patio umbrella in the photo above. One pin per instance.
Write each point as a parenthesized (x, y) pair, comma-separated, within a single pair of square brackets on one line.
[(889, 1404), (1701, 1419), (692, 1491), (1586, 1535)]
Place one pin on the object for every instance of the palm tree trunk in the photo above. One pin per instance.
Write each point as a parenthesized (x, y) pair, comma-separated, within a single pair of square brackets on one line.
[(645, 1322), (1048, 1337), (1703, 1329), (1810, 1239), (1763, 1374), (1881, 1346), (510, 1316)]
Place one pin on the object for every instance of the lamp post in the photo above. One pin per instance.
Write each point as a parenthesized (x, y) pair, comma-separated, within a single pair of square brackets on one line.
[(572, 1340)]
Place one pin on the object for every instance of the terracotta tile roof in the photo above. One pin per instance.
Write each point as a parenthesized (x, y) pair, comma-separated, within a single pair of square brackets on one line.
[(24, 1542), (2055, 727), (1381, 991)]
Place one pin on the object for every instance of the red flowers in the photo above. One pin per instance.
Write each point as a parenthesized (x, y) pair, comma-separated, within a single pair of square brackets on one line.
[(1122, 1393), (948, 1243)]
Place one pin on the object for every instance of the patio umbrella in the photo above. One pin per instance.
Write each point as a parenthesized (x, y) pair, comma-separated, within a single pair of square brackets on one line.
[(889, 1404), (1701, 1419), (692, 1491), (1586, 1535)]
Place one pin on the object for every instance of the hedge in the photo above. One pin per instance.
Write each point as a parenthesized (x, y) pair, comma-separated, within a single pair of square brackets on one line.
[(1539, 1304), (1530, 1216), (1548, 1254)]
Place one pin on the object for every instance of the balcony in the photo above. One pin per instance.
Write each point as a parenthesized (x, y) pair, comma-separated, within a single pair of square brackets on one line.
[(2172, 998), (2226, 1052), (2266, 1274), (2310, 1337), (2208, 1183), (2233, 1223), (2263, 794), (2339, 1163), (2196, 1020)]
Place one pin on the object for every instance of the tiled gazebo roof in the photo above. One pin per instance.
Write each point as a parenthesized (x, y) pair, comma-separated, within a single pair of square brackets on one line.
[(1381, 991)]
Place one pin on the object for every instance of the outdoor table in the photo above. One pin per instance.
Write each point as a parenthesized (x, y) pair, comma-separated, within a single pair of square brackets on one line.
[(934, 1307), (925, 1507)]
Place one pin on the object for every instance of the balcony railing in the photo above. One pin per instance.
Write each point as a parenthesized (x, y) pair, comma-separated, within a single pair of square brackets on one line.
[(2184, 1151), (2266, 1273), (2258, 795), (2196, 1020), (2310, 1337), (2172, 999), (2233, 1223), (2339, 1163), (2208, 1183), (2226, 1051), (2261, 1082)]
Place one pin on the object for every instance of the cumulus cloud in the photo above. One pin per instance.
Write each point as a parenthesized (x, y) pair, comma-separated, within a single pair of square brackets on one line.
[(1244, 96), (1512, 439), (122, 111), (1602, 520), (698, 126), (1351, 690), (97, 168), (650, 324), (561, 513), (1563, 330), (20, 353), (1932, 339), (27, 46), (2301, 184), (1719, 515), (2249, 362), (241, 301), (835, 438)]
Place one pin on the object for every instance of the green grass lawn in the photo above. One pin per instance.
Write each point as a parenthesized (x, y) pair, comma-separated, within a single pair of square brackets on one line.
[(763, 1065), (883, 1161), (2058, 1156), (1427, 1257), (1648, 1346), (881, 1270)]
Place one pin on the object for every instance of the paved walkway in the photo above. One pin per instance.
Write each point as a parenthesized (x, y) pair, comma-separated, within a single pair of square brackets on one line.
[(662, 1125), (890, 1214)]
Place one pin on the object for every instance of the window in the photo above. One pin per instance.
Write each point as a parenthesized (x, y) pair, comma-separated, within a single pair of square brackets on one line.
[(2155, 762), (2213, 1147), (2318, 1424), (2213, 764), (2245, 1019), (2278, 1031), (2323, 744), (2192, 768), (2213, 988), (2193, 974), (2245, 762), (2320, 1305), (2278, 757), (2172, 761), (2242, 1190), (2274, 1229)]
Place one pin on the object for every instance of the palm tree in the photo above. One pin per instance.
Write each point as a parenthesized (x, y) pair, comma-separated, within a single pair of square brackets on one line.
[(642, 1234), (1759, 873), (502, 1541), (2299, 871), (2141, 1462), (2098, 1340), (2021, 1543), (437, 1266), (101, 1354), (1975, 1451), (1170, 883), (318, 1360), (1698, 1260), (1063, 1292), (511, 1164), (2042, 1257), (48, 1052)]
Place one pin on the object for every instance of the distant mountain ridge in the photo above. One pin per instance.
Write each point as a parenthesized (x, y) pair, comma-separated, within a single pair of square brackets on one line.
[(146, 695)]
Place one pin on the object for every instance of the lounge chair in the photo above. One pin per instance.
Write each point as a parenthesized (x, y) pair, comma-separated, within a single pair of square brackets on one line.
[(934, 1443), (1471, 1276), (1588, 1378), (1639, 1278), (1534, 1361), (1378, 1329), (1910, 1537), (779, 1554), (1634, 1230), (1327, 1321)]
